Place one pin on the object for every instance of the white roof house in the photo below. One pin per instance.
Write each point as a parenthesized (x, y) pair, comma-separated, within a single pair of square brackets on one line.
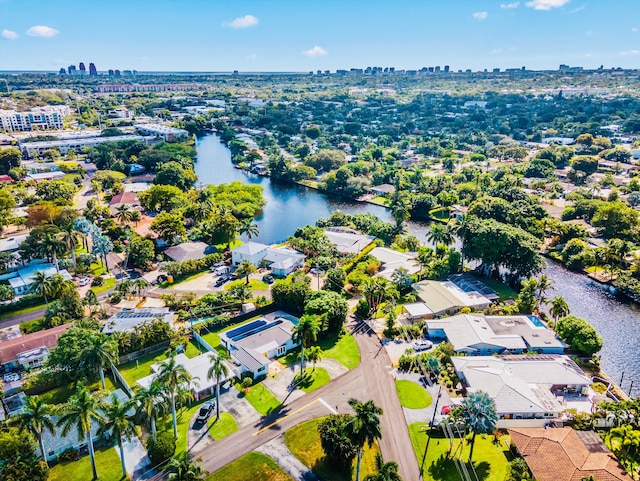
[(11, 244), (23, 278), (253, 252), (477, 334), (128, 319), (348, 241), (445, 298), (281, 260), (393, 260), (523, 387)]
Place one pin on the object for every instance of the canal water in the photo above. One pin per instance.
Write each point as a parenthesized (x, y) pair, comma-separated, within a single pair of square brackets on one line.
[(289, 207)]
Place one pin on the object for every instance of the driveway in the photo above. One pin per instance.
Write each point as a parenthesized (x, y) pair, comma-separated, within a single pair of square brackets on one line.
[(279, 452), (232, 402), (425, 415), (135, 456)]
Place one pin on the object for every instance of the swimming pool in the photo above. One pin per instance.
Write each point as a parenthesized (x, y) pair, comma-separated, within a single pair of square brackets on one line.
[(536, 322)]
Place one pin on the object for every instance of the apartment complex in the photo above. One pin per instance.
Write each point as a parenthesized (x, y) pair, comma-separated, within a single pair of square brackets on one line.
[(38, 118)]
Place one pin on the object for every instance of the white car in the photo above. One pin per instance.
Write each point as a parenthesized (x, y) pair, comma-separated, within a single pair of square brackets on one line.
[(422, 345), (84, 281), (11, 377)]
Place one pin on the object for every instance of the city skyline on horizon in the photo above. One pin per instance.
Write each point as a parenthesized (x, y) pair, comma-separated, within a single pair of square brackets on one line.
[(250, 36)]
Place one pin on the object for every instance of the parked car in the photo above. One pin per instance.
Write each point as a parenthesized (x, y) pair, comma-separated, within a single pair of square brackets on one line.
[(268, 279), (11, 377), (205, 411), (215, 266), (221, 280), (84, 281), (422, 345)]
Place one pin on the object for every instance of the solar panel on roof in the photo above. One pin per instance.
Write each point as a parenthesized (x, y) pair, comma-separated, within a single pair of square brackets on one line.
[(256, 330), (247, 327)]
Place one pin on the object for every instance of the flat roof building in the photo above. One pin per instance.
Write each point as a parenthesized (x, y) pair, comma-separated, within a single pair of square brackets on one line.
[(50, 117), (64, 146), (128, 319), (168, 134), (348, 241)]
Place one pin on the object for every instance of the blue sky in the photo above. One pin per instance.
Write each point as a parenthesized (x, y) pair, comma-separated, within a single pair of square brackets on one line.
[(303, 35)]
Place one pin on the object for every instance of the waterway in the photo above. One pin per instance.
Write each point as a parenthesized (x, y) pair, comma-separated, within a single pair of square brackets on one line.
[(290, 206)]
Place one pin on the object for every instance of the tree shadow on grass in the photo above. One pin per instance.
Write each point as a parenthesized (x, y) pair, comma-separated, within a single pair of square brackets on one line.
[(444, 469)]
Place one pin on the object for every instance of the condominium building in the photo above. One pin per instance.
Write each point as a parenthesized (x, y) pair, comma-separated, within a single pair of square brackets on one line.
[(34, 149), (38, 118)]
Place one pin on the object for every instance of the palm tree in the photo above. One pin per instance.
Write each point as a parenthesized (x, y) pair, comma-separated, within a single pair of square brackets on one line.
[(440, 234), (247, 226), (173, 376), (150, 404), (314, 355), (305, 332), (559, 308), (53, 245), (218, 370), (71, 239), (364, 427), (386, 471), (139, 285), (35, 418), (101, 353), (543, 284), (41, 285), (124, 214), (245, 269), (118, 424), (79, 411), (479, 414), (375, 290), (425, 258), (184, 469), (625, 443)]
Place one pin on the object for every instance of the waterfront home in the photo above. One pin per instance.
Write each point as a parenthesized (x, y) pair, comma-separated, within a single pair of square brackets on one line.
[(446, 298), (348, 241), (382, 190), (281, 260), (189, 251), (391, 261)]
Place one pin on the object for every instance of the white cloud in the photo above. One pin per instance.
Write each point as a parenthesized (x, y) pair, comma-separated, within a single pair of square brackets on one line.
[(634, 29), (546, 4), (10, 34), (508, 6), (316, 51), (42, 31), (497, 51), (630, 52), (579, 9), (480, 15), (243, 22)]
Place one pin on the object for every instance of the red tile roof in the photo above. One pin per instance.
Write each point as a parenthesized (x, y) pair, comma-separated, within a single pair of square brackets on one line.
[(129, 198), (562, 454), (10, 349)]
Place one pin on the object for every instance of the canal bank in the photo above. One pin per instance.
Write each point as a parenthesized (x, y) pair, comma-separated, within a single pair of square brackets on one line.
[(292, 206)]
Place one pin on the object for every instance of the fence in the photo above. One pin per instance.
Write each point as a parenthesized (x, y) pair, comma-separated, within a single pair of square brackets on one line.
[(147, 350), (118, 377), (261, 311), (204, 344)]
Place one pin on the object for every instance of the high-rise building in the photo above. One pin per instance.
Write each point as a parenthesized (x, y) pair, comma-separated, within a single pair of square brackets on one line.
[(110, 72), (92, 69), (117, 73), (82, 68), (446, 69), (63, 71), (71, 69)]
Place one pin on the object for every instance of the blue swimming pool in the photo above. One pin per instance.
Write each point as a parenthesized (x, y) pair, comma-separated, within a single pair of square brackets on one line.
[(536, 322)]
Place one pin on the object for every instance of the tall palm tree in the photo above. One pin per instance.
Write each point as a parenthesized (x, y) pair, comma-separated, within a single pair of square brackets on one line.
[(543, 284), (305, 332), (139, 286), (479, 414), (314, 355), (101, 353), (118, 424), (41, 285), (245, 269), (72, 238), (53, 245), (124, 214), (425, 258), (173, 376), (386, 471), (36, 418), (440, 234), (364, 427), (218, 370), (184, 469), (559, 308), (150, 404), (247, 226), (80, 411)]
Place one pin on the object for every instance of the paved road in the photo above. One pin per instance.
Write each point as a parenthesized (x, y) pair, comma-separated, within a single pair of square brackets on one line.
[(371, 380)]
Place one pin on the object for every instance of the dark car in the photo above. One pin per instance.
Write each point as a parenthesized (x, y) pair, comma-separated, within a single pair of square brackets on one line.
[(221, 280), (205, 411), (268, 279)]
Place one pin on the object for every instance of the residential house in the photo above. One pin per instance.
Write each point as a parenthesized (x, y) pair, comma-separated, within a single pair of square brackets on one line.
[(383, 190), (392, 260), (479, 335), (348, 241), (281, 260), (22, 279), (253, 345), (130, 199), (446, 298), (128, 319), (189, 251), (31, 349), (529, 391), (253, 252), (563, 454)]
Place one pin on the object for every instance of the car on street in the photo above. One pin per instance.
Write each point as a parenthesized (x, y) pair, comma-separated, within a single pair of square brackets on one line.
[(84, 281), (11, 377), (268, 279), (422, 345), (205, 411), (221, 280)]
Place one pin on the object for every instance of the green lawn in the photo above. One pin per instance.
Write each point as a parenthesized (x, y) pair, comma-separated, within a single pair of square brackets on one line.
[(25, 310), (254, 284), (251, 467), (490, 459), (181, 279), (412, 395), (107, 464), (303, 441), (61, 394), (109, 283), (192, 350), (313, 379), (137, 369), (184, 416), (223, 427), (503, 290), (343, 349), (261, 399)]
